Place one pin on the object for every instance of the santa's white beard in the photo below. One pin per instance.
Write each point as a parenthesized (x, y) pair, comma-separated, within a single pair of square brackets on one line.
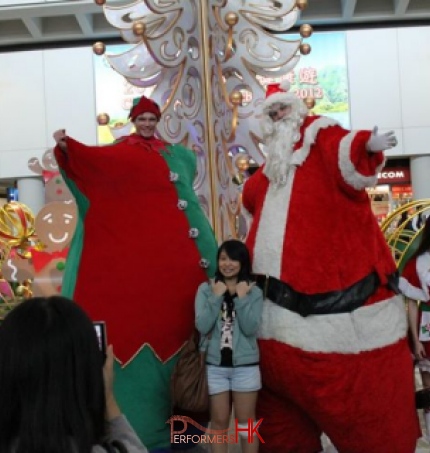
[(279, 147)]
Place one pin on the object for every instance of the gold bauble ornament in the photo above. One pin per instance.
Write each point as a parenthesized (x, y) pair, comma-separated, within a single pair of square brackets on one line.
[(139, 28), (24, 289), (242, 162), (236, 98), (306, 30), (310, 102), (16, 225), (305, 49), (302, 4), (231, 19), (99, 48), (100, 2), (20, 290), (103, 119), (238, 179)]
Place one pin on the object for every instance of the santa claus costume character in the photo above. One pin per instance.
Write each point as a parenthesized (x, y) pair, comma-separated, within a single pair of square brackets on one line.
[(415, 285), (334, 354), (141, 248)]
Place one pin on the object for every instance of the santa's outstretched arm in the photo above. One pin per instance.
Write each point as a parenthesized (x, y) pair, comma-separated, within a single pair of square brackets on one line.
[(361, 156)]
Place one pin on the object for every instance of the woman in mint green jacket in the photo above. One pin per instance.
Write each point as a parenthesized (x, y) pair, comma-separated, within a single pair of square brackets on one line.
[(228, 314)]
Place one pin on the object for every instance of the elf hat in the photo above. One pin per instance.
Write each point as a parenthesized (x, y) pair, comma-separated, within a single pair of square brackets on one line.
[(144, 105)]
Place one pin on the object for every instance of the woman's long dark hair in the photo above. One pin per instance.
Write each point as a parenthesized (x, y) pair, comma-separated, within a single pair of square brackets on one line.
[(51, 379), (424, 245), (237, 251)]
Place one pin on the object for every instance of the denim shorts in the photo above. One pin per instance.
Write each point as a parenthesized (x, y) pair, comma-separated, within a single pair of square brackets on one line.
[(238, 379)]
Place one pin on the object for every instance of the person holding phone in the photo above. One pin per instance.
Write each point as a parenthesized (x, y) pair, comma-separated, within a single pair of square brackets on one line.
[(228, 313), (56, 388), (100, 328)]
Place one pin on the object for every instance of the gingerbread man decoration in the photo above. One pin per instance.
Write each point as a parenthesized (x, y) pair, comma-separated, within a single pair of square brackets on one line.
[(55, 225), (55, 187)]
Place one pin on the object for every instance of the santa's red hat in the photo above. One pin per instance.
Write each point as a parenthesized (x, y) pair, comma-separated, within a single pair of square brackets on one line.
[(144, 105), (278, 93)]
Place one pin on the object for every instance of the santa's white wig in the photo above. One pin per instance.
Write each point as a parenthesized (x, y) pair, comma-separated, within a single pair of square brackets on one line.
[(280, 136), (279, 94)]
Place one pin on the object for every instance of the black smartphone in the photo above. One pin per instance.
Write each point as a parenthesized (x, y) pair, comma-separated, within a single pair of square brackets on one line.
[(100, 328)]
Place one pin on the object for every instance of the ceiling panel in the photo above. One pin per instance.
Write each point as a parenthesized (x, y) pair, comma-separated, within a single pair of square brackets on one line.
[(33, 22), (419, 6), (372, 7)]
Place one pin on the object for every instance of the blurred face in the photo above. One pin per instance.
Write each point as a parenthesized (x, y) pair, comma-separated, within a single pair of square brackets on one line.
[(279, 111), (228, 268), (145, 124)]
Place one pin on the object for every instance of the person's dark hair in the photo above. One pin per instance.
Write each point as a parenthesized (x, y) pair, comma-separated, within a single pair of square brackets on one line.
[(237, 251), (403, 218), (424, 245), (52, 395)]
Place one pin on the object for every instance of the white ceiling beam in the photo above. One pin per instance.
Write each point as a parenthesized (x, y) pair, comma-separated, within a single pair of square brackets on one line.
[(85, 21), (34, 26), (400, 7), (348, 8)]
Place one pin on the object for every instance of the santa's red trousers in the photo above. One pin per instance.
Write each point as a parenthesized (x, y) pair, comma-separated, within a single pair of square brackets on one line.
[(352, 399)]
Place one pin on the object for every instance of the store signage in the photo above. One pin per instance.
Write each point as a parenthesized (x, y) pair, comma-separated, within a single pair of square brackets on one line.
[(394, 175), (322, 75)]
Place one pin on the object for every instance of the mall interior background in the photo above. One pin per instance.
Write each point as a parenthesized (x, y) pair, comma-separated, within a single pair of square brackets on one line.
[(47, 81), (43, 43)]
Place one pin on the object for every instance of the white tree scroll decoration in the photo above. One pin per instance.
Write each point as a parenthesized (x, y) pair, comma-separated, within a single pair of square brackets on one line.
[(202, 59)]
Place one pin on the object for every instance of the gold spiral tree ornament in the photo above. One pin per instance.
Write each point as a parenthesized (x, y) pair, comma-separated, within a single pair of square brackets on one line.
[(202, 59), (403, 227), (16, 237), (16, 227)]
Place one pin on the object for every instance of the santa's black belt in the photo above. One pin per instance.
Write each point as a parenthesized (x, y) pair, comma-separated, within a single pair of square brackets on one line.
[(343, 301)]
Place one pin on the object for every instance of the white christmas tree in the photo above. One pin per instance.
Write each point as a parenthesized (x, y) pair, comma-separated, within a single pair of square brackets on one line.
[(204, 61)]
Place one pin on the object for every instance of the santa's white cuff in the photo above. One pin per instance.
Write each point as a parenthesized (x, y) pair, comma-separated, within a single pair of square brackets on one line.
[(350, 173)]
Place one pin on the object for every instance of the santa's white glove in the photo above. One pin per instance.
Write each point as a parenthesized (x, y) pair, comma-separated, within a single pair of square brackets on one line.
[(380, 142)]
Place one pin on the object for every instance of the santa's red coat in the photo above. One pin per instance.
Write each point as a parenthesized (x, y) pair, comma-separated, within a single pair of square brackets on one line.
[(318, 233), (326, 372)]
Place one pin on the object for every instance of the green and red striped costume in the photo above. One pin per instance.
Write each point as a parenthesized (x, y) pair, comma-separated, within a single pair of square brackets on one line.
[(134, 263)]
